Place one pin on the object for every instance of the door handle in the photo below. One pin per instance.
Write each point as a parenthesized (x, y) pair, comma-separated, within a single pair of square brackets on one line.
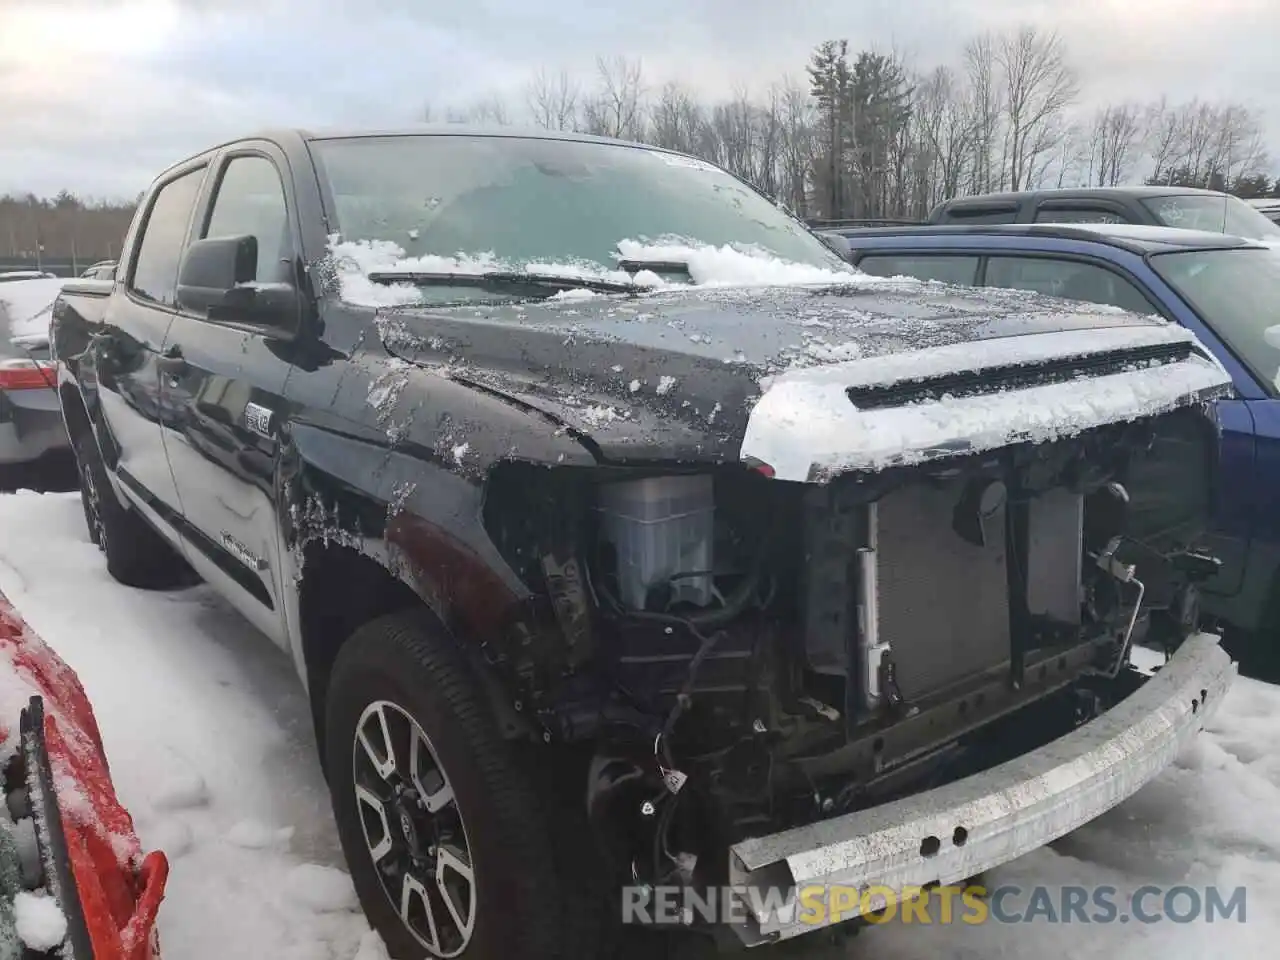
[(172, 362), (172, 365)]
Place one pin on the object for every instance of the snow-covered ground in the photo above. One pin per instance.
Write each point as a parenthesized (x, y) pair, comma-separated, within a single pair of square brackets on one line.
[(209, 740), (210, 746)]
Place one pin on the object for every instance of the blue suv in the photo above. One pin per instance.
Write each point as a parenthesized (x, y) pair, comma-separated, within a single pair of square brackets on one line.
[(1225, 289)]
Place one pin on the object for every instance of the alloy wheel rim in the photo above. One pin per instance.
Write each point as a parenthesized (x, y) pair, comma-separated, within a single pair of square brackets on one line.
[(94, 502), (413, 829)]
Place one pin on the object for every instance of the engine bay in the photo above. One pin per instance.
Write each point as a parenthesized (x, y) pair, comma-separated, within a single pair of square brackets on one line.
[(729, 654)]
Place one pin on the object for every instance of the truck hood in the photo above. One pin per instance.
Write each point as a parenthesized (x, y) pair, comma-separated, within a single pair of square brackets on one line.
[(680, 374)]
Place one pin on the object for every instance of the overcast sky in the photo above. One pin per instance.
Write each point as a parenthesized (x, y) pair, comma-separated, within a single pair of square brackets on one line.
[(98, 95)]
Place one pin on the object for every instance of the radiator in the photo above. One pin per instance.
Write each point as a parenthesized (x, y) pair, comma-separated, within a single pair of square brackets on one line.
[(943, 603)]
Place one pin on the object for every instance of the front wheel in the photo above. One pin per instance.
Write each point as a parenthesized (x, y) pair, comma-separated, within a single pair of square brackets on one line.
[(447, 838)]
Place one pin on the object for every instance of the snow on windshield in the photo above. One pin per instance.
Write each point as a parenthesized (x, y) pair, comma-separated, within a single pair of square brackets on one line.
[(708, 266)]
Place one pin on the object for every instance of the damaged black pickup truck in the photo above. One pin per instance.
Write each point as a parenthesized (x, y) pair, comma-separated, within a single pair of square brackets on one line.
[(626, 538)]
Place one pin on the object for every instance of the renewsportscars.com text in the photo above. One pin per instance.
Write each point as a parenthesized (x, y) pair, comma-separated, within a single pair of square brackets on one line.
[(822, 905)]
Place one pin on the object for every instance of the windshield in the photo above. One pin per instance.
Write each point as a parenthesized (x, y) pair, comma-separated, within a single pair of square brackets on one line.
[(1216, 213), (1237, 293), (527, 203)]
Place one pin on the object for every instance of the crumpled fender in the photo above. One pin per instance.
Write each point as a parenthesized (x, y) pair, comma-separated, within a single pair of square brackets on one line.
[(108, 890)]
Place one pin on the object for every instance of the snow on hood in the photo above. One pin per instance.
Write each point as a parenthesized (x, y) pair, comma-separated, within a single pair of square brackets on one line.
[(755, 356), (27, 305), (709, 266), (807, 428)]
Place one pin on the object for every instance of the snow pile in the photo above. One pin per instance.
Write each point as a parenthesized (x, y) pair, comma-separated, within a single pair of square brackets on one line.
[(729, 266), (26, 304), (708, 266), (41, 925), (354, 261)]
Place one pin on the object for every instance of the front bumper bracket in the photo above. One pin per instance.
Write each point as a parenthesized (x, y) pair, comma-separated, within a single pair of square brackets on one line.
[(958, 830)]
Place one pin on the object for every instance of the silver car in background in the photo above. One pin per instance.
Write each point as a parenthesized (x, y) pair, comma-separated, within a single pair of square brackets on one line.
[(30, 423), (1269, 207)]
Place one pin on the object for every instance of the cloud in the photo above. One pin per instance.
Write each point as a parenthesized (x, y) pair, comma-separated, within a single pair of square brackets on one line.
[(99, 96)]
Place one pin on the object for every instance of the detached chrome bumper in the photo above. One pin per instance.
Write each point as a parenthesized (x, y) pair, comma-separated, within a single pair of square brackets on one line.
[(956, 831)]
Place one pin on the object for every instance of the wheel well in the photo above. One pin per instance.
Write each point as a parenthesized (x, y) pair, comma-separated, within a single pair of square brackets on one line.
[(341, 590)]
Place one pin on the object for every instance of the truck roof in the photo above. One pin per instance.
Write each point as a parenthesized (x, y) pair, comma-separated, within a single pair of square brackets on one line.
[(1074, 193), (294, 138), (461, 130), (1136, 238)]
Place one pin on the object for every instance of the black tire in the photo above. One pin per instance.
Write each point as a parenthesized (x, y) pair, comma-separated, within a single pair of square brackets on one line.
[(526, 907), (136, 555)]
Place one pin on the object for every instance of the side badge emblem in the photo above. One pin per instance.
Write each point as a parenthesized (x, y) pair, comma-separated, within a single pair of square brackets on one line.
[(258, 419), (241, 552)]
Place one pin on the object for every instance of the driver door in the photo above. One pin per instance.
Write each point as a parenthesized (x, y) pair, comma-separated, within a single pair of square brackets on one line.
[(227, 376)]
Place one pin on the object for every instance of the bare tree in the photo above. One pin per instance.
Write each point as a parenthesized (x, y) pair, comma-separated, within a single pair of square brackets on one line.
[(985, 106), (1201, 144), (1164, 139), (1114, 140), (738, 140), (553, 100), (490, 110), (616, 109), (1071, 165), (1241, 143), (1039, 85), (945, 131), (798, 145), (676, 119)]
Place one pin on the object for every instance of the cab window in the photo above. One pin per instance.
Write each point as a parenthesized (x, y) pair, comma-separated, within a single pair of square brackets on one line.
[(945, 268), (1069, 279), (250, 201)]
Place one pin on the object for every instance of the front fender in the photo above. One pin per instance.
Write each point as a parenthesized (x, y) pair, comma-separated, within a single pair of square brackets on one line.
[(405, 485)]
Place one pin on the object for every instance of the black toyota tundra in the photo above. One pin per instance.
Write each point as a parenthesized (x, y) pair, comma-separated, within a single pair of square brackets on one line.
[(633, 547)]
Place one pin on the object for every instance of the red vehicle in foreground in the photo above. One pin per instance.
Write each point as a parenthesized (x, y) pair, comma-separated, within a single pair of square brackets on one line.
[(55, 773)]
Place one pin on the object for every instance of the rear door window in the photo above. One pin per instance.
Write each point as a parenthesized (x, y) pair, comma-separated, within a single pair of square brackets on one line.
[(164, 237), (1069, 279), (945, 268)]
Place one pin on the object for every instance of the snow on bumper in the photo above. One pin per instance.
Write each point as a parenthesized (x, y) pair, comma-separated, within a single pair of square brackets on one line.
[(956, 831)]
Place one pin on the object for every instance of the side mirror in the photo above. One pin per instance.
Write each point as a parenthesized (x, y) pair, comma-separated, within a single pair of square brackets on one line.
[(219, 278)]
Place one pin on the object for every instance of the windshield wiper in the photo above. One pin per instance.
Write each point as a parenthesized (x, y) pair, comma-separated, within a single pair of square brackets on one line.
[(506, 282), (657, 266)]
